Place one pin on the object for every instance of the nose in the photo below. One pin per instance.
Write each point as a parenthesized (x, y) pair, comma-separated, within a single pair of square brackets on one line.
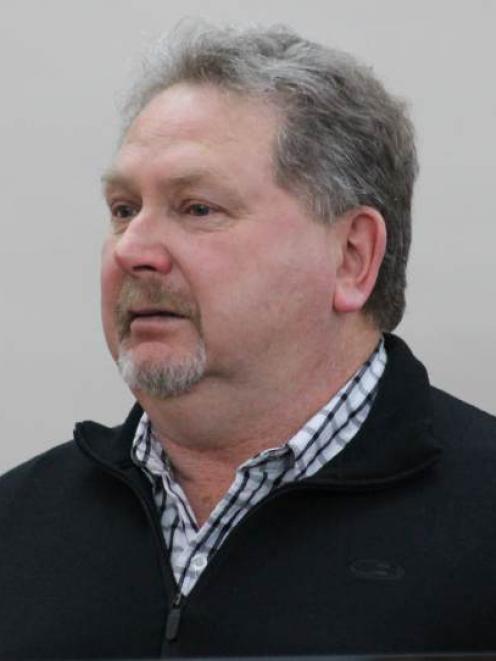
[(143, 247)]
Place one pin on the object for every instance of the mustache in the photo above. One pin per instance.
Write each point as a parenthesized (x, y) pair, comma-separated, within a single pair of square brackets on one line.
[(152, 293)]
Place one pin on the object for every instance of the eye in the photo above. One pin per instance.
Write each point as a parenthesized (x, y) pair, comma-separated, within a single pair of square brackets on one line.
[(122, 211), (198, 209)]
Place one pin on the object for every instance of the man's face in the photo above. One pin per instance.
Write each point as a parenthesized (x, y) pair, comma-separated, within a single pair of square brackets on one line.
[(211, 271)]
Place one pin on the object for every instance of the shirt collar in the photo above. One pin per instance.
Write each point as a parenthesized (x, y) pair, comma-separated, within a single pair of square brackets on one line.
[(396, 442), (360, 390)]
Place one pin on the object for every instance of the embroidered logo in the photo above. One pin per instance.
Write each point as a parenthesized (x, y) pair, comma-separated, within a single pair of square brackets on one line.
[(377, 570)]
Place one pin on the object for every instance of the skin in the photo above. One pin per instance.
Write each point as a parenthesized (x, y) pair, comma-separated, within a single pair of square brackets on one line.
[(274, 295)]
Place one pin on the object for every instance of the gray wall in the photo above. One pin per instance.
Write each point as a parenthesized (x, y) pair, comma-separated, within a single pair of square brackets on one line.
[(63, 64)]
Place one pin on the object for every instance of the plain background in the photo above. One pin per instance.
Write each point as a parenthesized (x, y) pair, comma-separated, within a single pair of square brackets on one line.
[(63, 67)]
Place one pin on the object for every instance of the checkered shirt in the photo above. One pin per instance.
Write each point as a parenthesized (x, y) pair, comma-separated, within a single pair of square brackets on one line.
[(316, 443)]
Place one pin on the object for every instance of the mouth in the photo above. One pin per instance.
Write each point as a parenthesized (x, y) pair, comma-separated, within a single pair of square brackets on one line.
[(147, 308), (153, 314)]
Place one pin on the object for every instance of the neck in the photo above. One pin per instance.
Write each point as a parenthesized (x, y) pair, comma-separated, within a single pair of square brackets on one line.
[(210, 431)]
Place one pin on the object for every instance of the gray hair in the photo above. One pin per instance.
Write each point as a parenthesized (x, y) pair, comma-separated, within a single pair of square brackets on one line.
[(343, 141)]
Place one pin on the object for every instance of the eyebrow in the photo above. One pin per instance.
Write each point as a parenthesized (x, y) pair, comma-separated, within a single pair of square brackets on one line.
[(115, 177)]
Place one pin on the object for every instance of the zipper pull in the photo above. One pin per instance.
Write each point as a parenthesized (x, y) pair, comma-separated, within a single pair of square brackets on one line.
[(174, 618)]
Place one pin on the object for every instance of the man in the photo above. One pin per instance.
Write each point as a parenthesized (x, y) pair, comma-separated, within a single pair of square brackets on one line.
[(288, 481)]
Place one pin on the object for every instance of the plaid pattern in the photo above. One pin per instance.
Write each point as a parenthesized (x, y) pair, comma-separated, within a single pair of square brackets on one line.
[(315, 444)]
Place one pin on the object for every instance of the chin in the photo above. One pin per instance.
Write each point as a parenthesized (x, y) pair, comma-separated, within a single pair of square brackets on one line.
[(162, 377)]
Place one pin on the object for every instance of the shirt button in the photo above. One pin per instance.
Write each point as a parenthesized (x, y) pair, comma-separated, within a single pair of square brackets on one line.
[(199, 561)]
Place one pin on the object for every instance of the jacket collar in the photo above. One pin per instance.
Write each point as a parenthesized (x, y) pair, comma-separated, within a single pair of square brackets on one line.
[(393, 444), (396, 440)]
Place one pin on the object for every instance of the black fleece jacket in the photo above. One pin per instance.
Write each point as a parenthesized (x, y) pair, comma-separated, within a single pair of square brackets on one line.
[(390, 548)]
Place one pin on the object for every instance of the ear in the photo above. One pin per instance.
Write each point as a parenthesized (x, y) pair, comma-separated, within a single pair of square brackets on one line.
[(361, 235)]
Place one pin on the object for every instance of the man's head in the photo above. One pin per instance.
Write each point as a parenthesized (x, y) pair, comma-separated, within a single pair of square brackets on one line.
[(244, 164), (343, 140)]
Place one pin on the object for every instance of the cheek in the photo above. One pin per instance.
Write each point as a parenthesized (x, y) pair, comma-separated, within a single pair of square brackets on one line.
[(240, 299), (109, 290)]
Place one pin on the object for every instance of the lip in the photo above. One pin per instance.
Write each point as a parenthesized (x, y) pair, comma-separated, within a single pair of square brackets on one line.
[(152, 314), (151, 320), (153, 325)]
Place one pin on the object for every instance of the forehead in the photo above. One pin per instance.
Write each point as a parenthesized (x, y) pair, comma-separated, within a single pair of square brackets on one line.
[(189, 122)]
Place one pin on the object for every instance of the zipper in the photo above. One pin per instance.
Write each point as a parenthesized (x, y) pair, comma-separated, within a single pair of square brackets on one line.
[(152, 520), (174, 618)]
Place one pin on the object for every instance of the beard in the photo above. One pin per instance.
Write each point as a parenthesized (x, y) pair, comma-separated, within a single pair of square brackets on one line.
[(159, 378)]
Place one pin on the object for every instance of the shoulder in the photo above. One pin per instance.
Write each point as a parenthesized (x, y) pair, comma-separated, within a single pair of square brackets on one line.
[(467, 436), (406, 388), (456, 417), (47, 471), (37, 496), (93, 445), (69, 475)]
